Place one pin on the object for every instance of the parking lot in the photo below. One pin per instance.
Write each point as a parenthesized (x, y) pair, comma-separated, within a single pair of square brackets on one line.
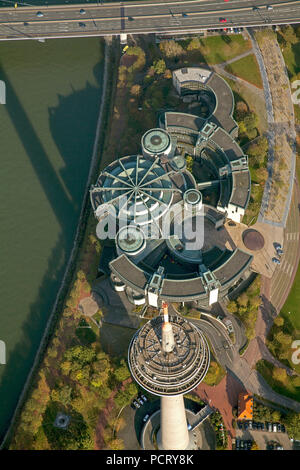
[(262, 438)]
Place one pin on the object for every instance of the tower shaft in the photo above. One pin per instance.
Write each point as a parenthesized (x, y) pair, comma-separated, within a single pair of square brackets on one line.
[(173, 433)]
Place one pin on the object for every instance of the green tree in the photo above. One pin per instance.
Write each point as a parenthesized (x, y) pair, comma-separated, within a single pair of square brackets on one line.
[(194, 44), (122, 372), (279, 374), (189, 163), (159, 66)]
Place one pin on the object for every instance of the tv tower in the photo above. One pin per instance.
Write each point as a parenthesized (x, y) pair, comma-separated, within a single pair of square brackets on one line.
[(169, 357)]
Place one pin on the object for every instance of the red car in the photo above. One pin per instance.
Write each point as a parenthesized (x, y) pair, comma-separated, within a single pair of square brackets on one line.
[(223, 20)]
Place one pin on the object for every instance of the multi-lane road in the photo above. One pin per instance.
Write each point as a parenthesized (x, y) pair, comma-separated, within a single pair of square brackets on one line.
[(141, 17)]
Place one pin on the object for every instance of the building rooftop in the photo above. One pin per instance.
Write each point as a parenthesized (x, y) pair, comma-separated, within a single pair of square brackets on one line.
[(229, 146), (188, 121), (222, 115), (196, 74), (130, 273), (182, 288), (241, 185), (245, 406), (235, 264)]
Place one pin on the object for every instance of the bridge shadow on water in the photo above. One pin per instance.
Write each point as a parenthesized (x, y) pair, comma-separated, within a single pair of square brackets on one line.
[(70, 122)]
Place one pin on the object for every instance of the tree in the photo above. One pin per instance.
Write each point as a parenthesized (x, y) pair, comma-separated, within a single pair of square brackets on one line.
[(276, 415), (171, 48), (135, 90), (279, 321), (122, 372), (159, 66), (232, 306), (243, 299), (189, 163), (292, 423), (279, 374), (288, 34), (116, 444), (194, 44), (282, 338)]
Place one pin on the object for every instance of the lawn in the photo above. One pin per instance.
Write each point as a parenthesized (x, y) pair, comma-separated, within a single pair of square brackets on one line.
[(246, 68), (291, 56), (288, 388), (255, 102), (217, 49)]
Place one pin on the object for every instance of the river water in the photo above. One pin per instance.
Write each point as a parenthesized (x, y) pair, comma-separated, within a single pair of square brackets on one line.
[(47, 130)]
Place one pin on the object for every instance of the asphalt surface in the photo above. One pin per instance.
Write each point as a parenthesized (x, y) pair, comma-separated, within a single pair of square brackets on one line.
[(141, 17)]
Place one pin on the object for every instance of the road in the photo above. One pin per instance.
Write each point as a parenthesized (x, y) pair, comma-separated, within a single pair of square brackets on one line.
[(141, 17)]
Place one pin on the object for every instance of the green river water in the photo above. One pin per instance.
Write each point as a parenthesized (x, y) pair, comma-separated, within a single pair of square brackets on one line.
[(47, 131)]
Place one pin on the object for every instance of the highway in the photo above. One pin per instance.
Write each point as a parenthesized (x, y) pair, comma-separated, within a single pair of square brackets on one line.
[(141, 17)]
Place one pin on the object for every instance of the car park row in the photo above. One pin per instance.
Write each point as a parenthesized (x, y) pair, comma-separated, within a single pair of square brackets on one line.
[(259, 426)]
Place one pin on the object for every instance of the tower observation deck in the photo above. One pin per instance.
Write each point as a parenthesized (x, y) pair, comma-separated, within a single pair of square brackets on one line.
[(168, 357)]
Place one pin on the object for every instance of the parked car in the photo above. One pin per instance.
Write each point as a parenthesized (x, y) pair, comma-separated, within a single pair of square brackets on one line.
[(240, 425), (279, 251), (82, 11), (255, 9), (145, 418), (237, 444), (278, 427), (269, 7), (141, 402), (144, 398), (189, 426), (269, 427), (248, 444), (222, 20), (82, 25), (39, 14), (136, 404), (184, 15), (274, 427), (254, 425), (282, 428), (276, 261)]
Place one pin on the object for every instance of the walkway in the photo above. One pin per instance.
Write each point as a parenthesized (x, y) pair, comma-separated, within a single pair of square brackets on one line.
[(281, 134)]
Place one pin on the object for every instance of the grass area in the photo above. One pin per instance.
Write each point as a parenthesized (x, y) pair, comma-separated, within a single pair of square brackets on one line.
[(253, 208), (214, 374), (289, 386), (246, 68), (217, 49), (297, 113), (291, 54), (255, 102), (293, 301)]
